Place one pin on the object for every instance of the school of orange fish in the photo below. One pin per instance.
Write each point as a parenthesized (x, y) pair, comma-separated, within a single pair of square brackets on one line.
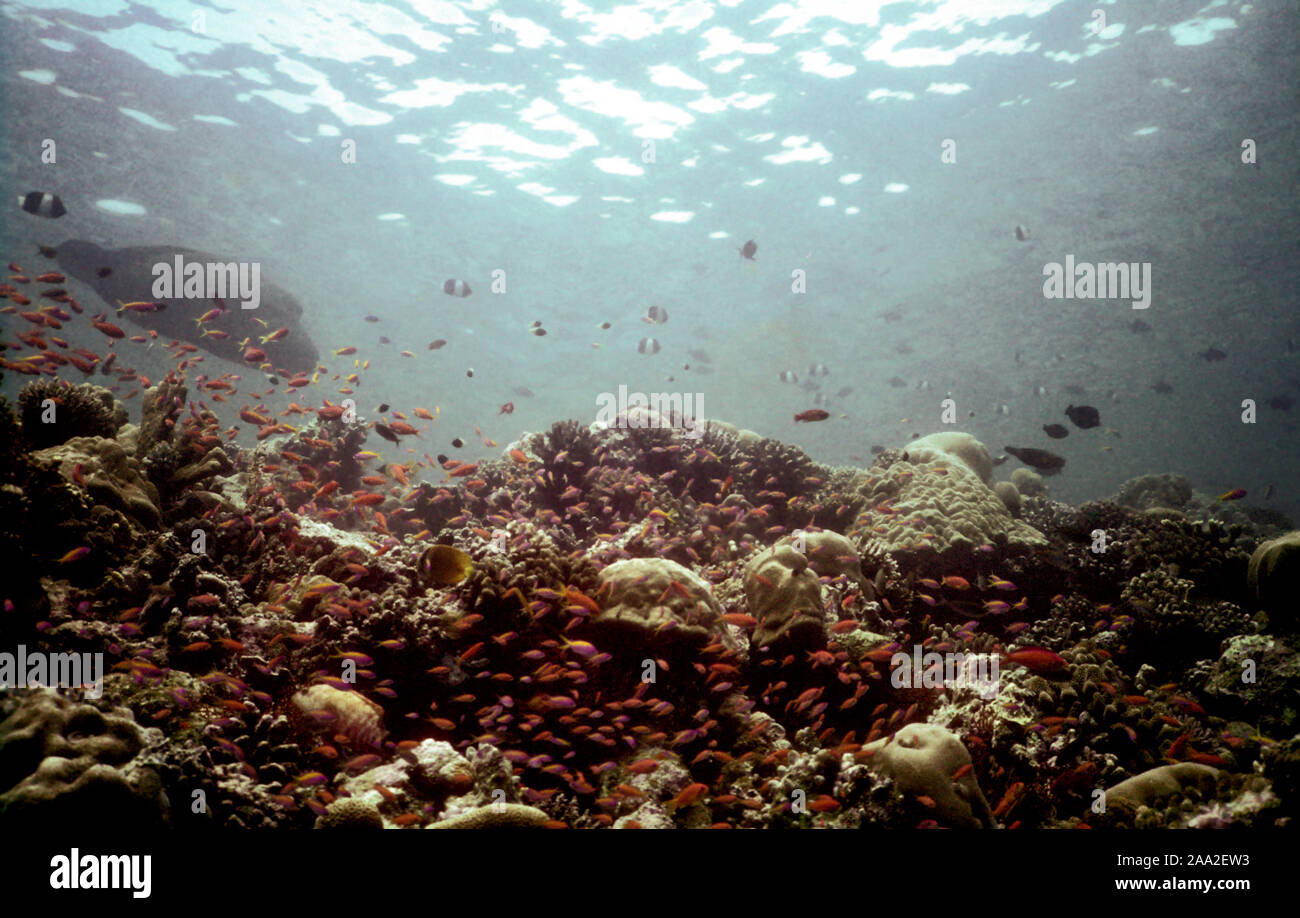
[(508, 663)]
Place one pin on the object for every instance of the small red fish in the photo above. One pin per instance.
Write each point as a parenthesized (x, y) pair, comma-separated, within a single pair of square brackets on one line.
[(1036, 659), (812, 414), (507, 408), (1234, 494), (688, 796), (823, 803)]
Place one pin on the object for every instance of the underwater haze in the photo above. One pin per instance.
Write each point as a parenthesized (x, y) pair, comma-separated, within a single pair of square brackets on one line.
[(828, 226)]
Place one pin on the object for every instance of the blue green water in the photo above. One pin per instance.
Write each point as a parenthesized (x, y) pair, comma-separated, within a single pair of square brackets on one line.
[(607, 158)]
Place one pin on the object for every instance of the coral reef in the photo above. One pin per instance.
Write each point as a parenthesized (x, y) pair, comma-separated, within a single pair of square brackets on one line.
[(620, 627)]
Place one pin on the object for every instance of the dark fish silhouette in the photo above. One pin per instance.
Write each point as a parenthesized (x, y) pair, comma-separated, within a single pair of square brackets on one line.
[(1211, 354), (748, 249), (1281, 402), (1085, 417), (1163, 387), (126, 275), (42, 204), (1056, 431), (1138, 325), (1040, 459)]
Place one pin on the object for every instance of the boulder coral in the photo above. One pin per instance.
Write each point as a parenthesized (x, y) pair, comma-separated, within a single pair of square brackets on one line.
[(1029, 483), (1155, 784), (339, 711), (1274, 572), (921, 760), (938, 505), (72, 763), (1010, 496), (654, 600), (954, 446), (1148, 491), (784, 593), (111, 476)]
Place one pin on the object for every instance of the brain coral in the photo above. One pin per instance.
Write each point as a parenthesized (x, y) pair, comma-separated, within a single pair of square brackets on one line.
[(921, 759), (656, 600), (939, 504)]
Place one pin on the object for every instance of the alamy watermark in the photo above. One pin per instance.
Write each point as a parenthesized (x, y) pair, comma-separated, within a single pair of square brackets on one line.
[(675, 410), (976, 671), (197, 280), (1103, 280), (55, 670), (103, 871)]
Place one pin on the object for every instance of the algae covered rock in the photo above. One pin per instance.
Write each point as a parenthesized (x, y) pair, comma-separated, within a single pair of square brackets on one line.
[(655, 600), (921, 759), (1274, 572)]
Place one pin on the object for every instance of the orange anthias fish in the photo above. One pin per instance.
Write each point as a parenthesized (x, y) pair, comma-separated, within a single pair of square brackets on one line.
[(812, 414), (1036, 659), (1234, 494)]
